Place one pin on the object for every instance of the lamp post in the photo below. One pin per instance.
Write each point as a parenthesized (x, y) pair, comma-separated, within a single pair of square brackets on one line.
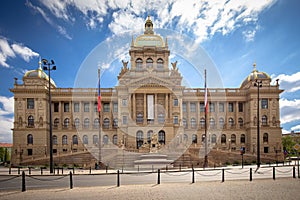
[(50, 66), (258, 84)]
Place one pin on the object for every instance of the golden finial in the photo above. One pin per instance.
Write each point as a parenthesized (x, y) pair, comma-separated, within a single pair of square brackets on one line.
[(254, 67)]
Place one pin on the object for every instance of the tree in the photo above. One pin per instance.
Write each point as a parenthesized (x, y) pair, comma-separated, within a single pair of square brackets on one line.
[(288, 144)]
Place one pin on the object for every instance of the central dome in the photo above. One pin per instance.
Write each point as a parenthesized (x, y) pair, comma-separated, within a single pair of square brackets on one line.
[(255, 75)]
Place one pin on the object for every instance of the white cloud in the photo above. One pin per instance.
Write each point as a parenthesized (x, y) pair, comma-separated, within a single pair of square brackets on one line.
[(296, 128), (6, 118), (10, 51), (24, 52), (203, 19), (290, 83), (289, 110)]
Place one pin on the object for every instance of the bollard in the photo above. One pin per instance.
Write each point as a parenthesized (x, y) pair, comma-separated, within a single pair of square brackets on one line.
[(62, 170), (73, 170), (23, 182), (71, 180), (273, 173), (250, 174), (294, 172), (90, 170), (29, 170), (166, 167), (57, 170), (158, 176), (118, 179), (41, 170), (18, 170), (9, 170), (106, 168), (180, 167), (138, 168), (223, 175), (193, 175)]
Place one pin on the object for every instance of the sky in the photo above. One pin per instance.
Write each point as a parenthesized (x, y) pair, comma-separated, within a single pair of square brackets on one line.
[(81, 35)]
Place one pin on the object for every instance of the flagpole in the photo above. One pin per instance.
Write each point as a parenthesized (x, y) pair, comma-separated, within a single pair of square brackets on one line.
[(99, 114), (205, 118)]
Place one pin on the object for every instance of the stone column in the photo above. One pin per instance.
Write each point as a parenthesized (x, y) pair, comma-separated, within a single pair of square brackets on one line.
[(134, 107), (167, 107), (145, 109), (155, 108)]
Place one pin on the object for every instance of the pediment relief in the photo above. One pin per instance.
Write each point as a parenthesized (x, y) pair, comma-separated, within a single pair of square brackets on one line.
[(150, 81)]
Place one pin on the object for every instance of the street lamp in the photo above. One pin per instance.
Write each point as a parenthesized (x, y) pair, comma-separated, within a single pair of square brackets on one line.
[(258, 84), (47, 66)]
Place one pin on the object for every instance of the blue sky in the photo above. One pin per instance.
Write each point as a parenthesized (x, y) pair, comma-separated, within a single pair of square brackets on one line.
[(230, 34)]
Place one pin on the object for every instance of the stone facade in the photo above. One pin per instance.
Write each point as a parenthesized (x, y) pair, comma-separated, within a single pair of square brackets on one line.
[(149, 99)]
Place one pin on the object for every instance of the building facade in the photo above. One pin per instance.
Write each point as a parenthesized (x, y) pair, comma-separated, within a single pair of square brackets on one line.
[(149, 100)]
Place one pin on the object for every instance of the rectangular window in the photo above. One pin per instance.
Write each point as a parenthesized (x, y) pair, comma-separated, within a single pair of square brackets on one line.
[(264, 103), (29, 152), (124, 102), (86, 107), (266, 149), (76, 107), (183, 107), (202, 109), (241, 107), (106, 107), (211, 107), (230, 107), (30, 103), (175, 102), (124, 119), (56, 107), (221, 107), (193, 107), (66, 107), (175, 119), (115, 107), (96, 107)]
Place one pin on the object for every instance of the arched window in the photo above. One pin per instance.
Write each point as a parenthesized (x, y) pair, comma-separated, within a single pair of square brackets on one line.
[(149, 63), (139, 118), (213, 138), (161, 137), (223, 139), (95, 139), (233, 139), (106, 123), (64, 139), (184, 123), (85, 139), (149, 136), (115, 139), (185, 137), (56, 122), (202, 122), (139, 63), (212, 122), (139, 139), (221, 122), (105, 139), (75, 139), (203, 138), (76, 123), (243, 138), (30, 121), (161, 118), (160, 63), (194, 139), (96, 123), (231, 122), (115, 122), (264, 120), (66, 123), (241, 122), (266, 138), (29, 139), (54, 139), (193, 123), (86, 123)]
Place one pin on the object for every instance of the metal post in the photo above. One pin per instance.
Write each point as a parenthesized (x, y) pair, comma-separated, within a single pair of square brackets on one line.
[(294, 172), (158, 176), (223, 175), (258, 84), (205, 124), (118, 179), (71, 180), (18, 170), (9, 170), (250, 174), (242, 161), (273, 173), (193, 175), (23, 182)]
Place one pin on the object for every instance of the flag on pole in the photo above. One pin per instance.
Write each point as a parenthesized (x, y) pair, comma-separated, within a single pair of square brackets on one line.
[(205, 97), (99, 92)]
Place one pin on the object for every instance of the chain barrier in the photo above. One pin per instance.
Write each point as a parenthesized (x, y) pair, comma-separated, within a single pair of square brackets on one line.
[(172, 174), (262, 172), (56, 179), (284, 172), (10, 178), (138, 174), (236, 172), (208, 174)]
